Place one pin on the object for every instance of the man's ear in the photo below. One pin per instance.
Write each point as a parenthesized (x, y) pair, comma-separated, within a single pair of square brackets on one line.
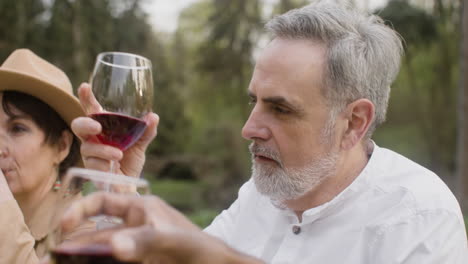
[(64, 145), (359, 115)]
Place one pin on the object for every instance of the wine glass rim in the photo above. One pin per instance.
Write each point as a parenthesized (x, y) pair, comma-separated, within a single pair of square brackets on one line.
[(102, 54), (105, 177)]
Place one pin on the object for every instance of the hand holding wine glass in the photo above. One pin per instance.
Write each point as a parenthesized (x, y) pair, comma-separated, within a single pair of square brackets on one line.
[(121, 101), (152, 232), (73, 245), (96, 155), (122, 83)]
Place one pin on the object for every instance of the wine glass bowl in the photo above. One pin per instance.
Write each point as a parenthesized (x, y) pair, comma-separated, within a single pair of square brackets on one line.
[(79, 182), (122, 84), (118, 130), (86, 181)]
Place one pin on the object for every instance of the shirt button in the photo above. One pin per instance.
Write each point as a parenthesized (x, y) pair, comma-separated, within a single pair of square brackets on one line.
[(296, 229)]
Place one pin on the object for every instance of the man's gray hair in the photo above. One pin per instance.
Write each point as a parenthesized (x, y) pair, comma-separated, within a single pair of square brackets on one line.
[(363, 54)]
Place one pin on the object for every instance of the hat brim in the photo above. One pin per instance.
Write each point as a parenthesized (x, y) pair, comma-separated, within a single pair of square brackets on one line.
[(66, 105)]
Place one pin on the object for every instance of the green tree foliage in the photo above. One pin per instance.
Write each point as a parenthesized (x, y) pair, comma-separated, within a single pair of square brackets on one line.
[(285, 5), (462, 127), (22, 25), (423, 105), (415, 25), (215, 41), (224, 57), (70, 33)]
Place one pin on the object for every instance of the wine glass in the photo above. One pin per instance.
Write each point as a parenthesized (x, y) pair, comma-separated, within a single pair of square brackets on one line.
[(122, 83), (79, 182)]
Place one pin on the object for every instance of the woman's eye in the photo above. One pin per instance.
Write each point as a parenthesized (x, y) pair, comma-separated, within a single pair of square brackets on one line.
[(252, 101), (18, 128)]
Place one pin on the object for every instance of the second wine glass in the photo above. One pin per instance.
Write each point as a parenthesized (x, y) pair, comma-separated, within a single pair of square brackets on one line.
[(75, 246), (122, 83)]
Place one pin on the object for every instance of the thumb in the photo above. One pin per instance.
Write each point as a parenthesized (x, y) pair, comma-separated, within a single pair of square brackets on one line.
[(134, 244), (152, 121)]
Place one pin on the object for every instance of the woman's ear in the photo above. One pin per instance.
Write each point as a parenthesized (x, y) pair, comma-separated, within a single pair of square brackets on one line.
[(359, 116), (64, 145)]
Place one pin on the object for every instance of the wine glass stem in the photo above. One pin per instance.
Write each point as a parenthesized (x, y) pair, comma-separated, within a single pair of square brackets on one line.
[(106, 221), (111, 170), (112, 163)]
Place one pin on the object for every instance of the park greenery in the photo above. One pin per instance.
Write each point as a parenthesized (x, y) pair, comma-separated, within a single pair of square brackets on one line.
[(202, 71)]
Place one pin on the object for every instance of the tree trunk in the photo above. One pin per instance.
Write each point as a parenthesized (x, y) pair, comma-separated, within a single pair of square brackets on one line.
[(462, 154), (78, 56), (21, 23)]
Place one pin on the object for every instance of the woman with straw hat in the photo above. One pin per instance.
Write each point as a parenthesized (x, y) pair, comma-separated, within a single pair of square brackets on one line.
[(36, 148)]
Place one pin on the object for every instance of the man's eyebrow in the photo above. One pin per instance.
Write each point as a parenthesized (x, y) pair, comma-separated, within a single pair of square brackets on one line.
[(279, 100)]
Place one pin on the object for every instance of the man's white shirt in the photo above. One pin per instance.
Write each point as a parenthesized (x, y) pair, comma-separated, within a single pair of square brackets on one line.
[(395, 211)]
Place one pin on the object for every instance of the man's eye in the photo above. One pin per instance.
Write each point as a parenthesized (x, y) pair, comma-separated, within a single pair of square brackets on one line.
[(281, 110), (252, 101)]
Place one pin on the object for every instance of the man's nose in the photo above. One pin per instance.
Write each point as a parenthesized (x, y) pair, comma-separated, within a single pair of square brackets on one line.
[(255, 128)]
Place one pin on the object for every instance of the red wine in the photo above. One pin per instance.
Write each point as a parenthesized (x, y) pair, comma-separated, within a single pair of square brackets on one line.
[(119, 130), (91, 254)]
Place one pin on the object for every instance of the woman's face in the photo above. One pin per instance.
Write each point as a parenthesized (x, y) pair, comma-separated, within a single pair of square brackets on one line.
[(27, 161)]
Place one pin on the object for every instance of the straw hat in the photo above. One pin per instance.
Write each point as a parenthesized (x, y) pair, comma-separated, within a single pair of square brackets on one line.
[(23, 71)]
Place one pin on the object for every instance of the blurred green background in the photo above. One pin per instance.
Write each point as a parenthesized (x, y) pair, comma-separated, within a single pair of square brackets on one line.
[(202, 70)]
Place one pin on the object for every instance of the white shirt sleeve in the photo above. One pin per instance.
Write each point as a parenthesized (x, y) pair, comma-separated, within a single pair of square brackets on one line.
[(224, 224), (427, 237)]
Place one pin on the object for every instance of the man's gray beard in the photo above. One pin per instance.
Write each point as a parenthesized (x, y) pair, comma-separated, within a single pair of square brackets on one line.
[(281, 184)]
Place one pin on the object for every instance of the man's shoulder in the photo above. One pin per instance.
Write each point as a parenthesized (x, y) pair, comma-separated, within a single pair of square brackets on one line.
[(395, 164), (410, 185)]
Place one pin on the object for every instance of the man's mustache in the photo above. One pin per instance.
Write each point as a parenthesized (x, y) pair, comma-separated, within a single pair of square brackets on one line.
[(257, 150)]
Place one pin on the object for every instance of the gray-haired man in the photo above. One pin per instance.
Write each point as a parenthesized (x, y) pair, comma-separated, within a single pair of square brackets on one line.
[(321, 190)]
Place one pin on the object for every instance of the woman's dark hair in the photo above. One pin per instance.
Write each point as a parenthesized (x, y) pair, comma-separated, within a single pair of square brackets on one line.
[(46, 119)]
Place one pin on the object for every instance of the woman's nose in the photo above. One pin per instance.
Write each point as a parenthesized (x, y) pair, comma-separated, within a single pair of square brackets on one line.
[(5, 143), (4, 152)]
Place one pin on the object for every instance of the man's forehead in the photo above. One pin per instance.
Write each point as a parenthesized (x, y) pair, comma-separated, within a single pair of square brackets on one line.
[(291, 61), (284, 73), (295, 51)]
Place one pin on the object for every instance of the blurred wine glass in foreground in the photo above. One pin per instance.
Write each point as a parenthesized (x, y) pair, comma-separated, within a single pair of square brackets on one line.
[(80, 182)]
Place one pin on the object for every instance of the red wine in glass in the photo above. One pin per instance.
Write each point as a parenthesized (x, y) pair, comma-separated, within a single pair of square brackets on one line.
[(90, 254), (119, 130)]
